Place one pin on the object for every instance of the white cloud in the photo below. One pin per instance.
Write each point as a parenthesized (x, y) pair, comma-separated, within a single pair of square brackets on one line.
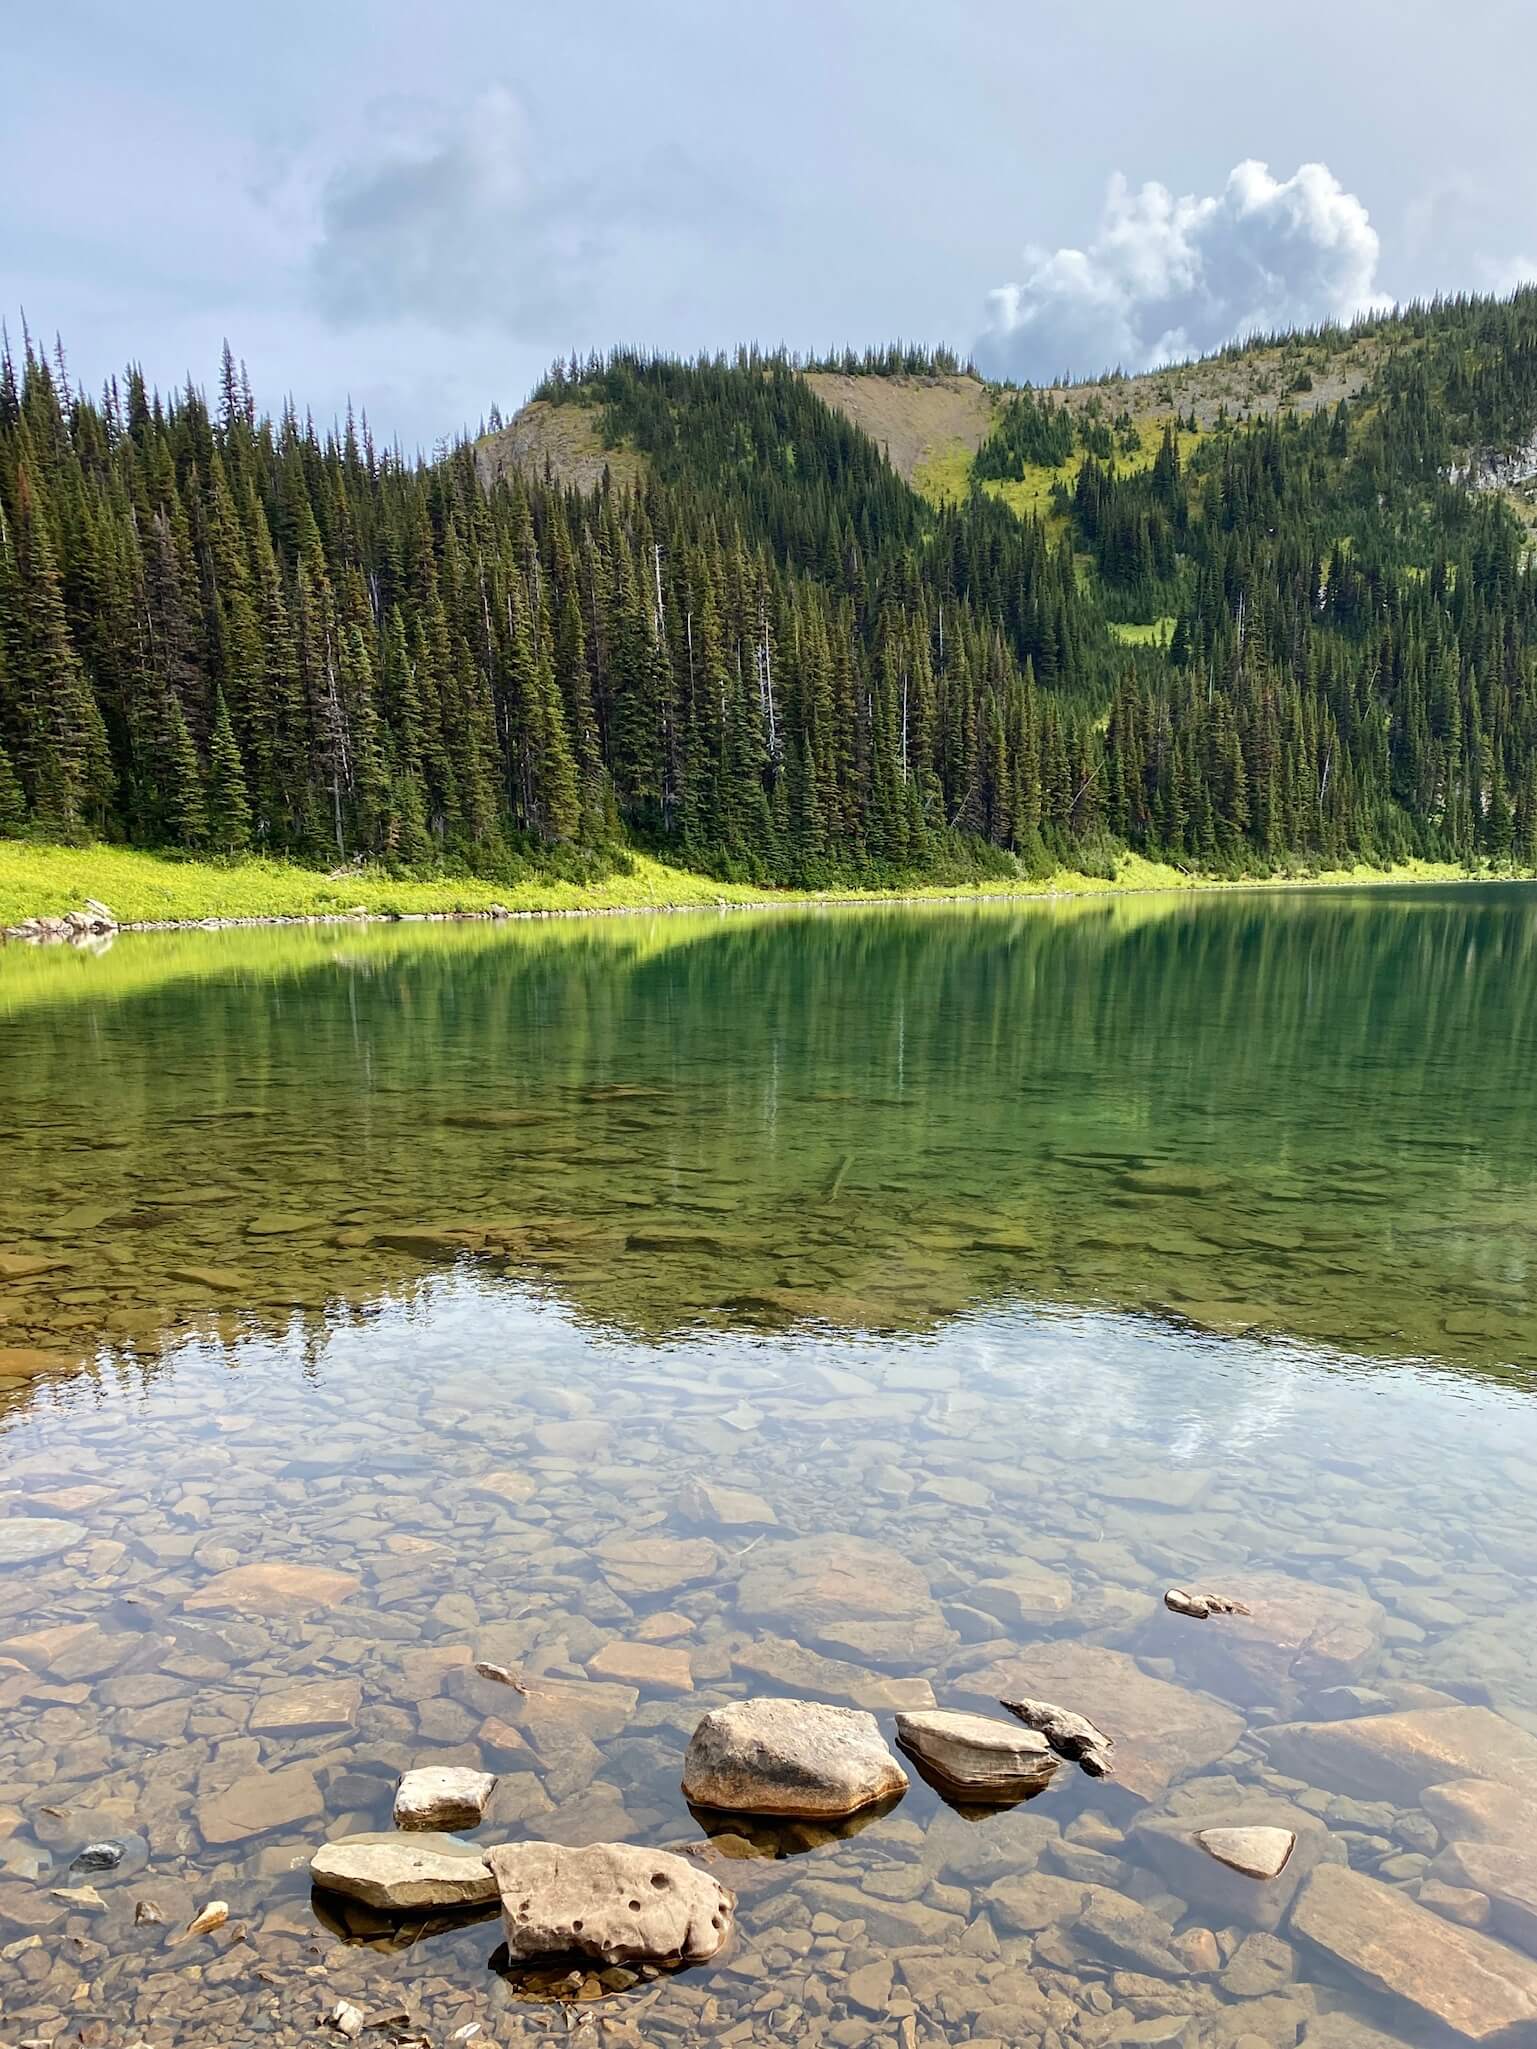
[(1166, 278)]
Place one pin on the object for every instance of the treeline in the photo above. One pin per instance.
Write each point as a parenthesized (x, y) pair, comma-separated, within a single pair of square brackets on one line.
[(221, 632), (770, 658)]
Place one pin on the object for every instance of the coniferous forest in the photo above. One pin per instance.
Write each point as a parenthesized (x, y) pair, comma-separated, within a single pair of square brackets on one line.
[(770, 657)]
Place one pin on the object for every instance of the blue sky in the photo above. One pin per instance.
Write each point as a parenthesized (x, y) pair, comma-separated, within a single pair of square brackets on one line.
[(419, 207)]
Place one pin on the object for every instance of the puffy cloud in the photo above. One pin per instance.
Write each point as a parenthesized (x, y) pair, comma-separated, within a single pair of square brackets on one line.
[(1166, 278)]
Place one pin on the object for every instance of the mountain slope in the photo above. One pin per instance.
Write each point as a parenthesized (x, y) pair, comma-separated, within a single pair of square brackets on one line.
[(1247, 613)]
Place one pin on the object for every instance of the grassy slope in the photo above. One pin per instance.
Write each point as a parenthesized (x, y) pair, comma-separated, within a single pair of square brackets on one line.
[(139, 888)]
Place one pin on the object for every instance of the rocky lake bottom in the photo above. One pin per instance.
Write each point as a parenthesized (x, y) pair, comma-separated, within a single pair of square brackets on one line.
[(545, 1310)]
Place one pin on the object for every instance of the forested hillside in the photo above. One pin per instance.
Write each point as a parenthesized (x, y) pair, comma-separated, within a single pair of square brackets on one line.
[(1234, 642)]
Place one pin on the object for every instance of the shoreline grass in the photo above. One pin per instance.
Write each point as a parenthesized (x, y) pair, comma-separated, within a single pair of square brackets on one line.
[(153, 891)]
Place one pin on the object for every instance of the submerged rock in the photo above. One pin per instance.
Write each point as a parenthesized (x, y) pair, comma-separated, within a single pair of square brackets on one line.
[(613, 1901), (1506, 1876), (1163, 1732), (27, 1539), (804, 1671), (789, 1757), (1396, 1757), (441, 1797), (276, 1588), (1464, 1980), (1216, 1859), (977, 1756), (403, 1874), (851, 1592), (1291, 1638)]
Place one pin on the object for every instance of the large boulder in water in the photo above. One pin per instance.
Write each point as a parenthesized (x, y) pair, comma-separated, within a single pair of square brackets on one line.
[(789, 1757), (612, 1901)]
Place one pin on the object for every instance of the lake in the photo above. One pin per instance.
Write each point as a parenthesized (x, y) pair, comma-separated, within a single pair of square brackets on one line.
[(884, 1306)]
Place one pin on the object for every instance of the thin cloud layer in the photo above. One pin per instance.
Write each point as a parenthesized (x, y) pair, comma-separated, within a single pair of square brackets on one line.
[(454, 221), (1169, 277)]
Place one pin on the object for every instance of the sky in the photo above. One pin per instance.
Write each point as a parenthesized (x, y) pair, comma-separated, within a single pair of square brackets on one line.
[(418, 208)]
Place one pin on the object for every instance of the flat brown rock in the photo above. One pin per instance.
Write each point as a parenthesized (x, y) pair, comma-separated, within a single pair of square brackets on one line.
[(978, 1754), (1476, 1811), (1020, 1591), (729, 1507), (259, 1803), (504, 1486), (1506, 1875), (1161, 1732), (273, 1589), (650, 1666), (849, 1591), (1395, 1757), (807, 1672), (404, 1873), (1298, 1637), (656, 1565), (1258, 1853), (315, 1709), (1455, 1976)]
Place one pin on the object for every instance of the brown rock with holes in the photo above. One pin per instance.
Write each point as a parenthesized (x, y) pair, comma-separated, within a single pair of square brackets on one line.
[(1162, 1733), (273, 1589), (1455, 1976), (612, 1901)]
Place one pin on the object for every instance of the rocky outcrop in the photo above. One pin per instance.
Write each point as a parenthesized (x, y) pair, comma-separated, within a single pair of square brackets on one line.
[(1453, 1976), (789, 1757), (975, 1757), (402, 1874), (442, 1797), (611, 1901)]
